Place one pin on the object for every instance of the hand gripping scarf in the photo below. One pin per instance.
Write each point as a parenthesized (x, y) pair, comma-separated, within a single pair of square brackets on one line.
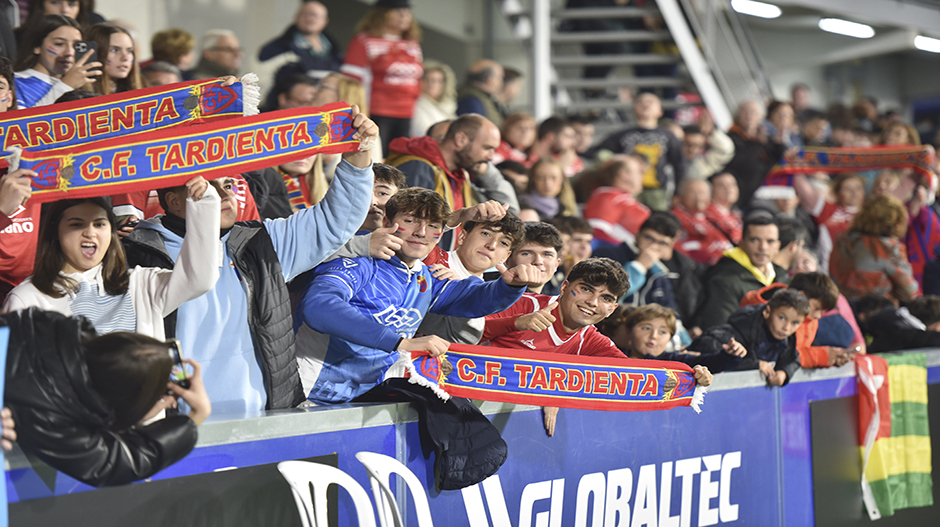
[(548, 379), (170, 157)]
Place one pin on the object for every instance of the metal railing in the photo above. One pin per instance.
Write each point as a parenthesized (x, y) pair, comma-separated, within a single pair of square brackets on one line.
[(729, 50)]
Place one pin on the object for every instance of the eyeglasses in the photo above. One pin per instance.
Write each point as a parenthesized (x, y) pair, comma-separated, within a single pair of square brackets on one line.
[(662, 243), (235, 51)]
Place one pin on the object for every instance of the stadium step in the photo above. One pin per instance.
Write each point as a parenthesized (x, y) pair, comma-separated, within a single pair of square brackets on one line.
[(614, 60)]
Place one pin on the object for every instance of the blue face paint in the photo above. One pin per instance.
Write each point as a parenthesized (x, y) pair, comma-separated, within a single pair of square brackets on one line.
[(53, 52)]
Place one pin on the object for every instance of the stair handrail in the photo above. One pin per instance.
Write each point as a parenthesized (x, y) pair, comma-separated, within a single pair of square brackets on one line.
[(718, 26), (702, 72)]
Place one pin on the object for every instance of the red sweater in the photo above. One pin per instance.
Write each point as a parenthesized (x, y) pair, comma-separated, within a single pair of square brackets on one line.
[(501, 332), (390, 70)]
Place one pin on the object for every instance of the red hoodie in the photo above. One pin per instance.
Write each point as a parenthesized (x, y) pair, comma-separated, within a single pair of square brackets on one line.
[(427, 148)]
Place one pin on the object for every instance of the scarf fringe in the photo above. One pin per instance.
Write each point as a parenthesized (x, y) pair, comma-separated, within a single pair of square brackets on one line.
[(251, 94), (415, 378), (775, 192), (698, 398), (14, 158)]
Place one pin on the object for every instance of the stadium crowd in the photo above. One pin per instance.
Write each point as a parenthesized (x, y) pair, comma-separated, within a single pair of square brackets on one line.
[(469, 222)]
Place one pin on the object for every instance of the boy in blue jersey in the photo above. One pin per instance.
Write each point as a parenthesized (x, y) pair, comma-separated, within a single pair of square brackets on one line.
[(369, 308)]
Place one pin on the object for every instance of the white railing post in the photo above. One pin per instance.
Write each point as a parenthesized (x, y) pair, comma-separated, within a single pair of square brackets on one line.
[(541, 59)]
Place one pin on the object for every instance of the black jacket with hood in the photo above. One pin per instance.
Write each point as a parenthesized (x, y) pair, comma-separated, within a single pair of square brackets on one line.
[(61, 420), (746, 325)]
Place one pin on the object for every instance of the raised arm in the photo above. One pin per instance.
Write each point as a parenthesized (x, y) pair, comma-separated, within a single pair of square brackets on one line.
[(326, 307), (809, 198), (307, 237), (197, 268)]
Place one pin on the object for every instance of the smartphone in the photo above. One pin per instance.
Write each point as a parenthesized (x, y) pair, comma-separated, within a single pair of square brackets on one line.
[(82, 47), (178, 372)]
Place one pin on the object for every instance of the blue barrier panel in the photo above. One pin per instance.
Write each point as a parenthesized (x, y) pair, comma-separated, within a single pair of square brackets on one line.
[(746, 460)]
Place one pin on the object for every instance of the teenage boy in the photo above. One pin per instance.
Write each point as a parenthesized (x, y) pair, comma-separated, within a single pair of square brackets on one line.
[(565, 323), (651, 282), (766, 331), (541, 247), (820, 341), (370, 308), (480, 246), (241, 331)]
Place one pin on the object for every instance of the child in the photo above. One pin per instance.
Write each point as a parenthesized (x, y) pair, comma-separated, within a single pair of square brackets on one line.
[(821, 341), (644, 332), (766, 331), (548, 191)]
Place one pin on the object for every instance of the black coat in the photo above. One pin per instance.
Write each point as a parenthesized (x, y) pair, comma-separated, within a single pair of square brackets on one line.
[(267, 187), (751, 162), (892, 331), (725, 284), (62, 421), (746, 326), (467, 447), (284, 44)]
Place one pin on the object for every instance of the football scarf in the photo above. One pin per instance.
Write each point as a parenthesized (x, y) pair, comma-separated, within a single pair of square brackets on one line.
[(779, 182), (170, 157), (566, 381), (126, 113)]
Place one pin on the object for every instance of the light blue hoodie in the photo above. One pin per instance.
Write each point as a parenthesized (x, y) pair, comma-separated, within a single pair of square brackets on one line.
[(213, 329)]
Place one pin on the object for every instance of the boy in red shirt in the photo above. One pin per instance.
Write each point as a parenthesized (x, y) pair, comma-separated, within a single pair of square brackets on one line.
[(565, 323)]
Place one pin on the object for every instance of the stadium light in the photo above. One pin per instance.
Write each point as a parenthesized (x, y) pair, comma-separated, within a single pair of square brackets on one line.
[(844, 27), (927, 44), (758, 9)]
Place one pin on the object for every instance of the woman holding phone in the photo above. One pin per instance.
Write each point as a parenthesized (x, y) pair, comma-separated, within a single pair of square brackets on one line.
[(116, 50), (47, 65), (82, 403)]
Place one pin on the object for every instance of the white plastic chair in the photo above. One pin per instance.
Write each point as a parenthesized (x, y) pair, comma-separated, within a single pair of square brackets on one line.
[(302, 475), (380, 468)]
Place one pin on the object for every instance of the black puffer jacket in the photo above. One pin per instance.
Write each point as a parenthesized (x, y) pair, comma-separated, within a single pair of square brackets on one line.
[(269, 307), (62, 421), (467, 447)]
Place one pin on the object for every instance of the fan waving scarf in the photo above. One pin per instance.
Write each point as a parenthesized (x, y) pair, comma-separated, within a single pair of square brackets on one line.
[(779, 182), (548, 379), (894, 433), (121, 114), (167, 158)]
